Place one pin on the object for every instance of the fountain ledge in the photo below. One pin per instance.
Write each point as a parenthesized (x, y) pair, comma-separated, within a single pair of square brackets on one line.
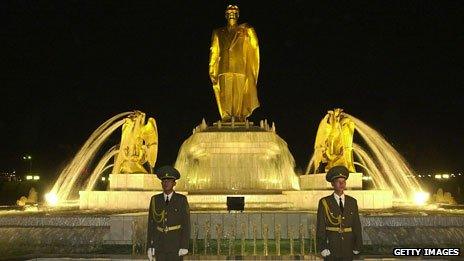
[(290, 200)]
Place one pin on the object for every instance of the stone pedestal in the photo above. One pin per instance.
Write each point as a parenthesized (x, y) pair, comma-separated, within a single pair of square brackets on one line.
[(287, 200), (148, 182), (226, 159), (317, 181), (127, 191), (367, 199), (233, 160), (115, 200)]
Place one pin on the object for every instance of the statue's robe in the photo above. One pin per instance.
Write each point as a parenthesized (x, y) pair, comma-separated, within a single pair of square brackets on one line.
[(234, 63)]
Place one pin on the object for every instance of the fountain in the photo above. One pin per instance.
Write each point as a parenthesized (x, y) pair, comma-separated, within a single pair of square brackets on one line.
[(277, 239), (222, 160), (265, 240), (206, 238), (139, 145), (232, 160), (254, 240), (232, 157), (131, 184), (66, 182), (388, 169), (195, 238), (272, 209), (218, 238), (242, 239), (290, 236), (380, 161), (231, 245)]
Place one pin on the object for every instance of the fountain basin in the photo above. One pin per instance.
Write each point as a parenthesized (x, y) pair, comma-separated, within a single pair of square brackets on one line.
[(76, 230), (285, 200), (233, 160), (318, 181), (134, 182)]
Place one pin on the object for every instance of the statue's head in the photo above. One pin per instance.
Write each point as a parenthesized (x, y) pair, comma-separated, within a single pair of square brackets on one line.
[(232, 12)]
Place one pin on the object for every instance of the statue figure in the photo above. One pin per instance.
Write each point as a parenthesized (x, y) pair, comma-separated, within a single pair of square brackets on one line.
[(139, 145), (31, 199), (233, 67), (334, 142)]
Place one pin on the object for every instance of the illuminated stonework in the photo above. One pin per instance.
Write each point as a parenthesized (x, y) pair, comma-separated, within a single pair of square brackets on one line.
[(234, 160), (284, 201)]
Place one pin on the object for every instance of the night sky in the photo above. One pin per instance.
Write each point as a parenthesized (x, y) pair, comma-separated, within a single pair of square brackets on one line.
[(71, 65)]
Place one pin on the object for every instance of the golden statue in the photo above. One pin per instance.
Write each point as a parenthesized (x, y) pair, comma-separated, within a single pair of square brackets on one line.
[(234, 67), (139, 145), (334, 142)]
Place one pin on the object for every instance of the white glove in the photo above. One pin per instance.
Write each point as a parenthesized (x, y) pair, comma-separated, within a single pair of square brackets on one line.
[(150, 253), (355, 252), (183, 251), (325, 252)]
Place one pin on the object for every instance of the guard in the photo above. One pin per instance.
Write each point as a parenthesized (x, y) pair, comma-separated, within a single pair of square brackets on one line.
[(168, 232), (339, 235)]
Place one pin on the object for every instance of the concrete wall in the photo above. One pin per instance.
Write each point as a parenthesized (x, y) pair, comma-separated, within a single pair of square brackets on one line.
[(74, 231), (287, 200), (317, 181)]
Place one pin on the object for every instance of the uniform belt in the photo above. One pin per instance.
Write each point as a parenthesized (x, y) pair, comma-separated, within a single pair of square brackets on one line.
[(339, 229), (167, 229)]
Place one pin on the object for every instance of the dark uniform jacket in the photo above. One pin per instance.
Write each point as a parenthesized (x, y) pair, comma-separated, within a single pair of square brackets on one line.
[(175, 216), (337, 232)]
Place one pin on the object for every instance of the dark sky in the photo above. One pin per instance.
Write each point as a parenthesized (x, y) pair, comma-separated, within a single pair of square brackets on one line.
[(71, 65)]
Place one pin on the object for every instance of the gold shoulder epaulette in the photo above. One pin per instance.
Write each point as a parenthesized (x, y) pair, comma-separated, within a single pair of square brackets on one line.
[(330, 217), (158, 217)]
